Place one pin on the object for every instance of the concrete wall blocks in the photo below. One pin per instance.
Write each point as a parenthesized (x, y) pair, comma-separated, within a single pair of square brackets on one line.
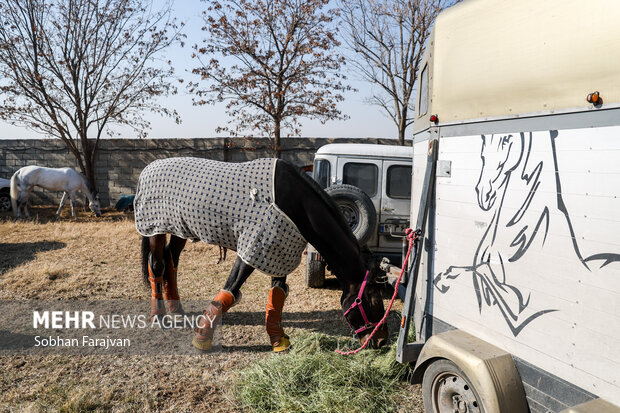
[(119, 161)]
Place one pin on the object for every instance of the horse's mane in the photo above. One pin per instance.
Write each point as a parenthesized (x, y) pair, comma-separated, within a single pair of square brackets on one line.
[(337, 214)]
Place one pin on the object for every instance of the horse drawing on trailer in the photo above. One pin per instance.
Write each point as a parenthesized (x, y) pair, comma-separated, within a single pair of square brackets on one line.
[(267, 212), (519, 185), (53, 179)]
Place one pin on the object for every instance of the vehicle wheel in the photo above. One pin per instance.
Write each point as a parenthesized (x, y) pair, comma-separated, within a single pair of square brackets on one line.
[(357, 209), (5, 201), (315, 273), (446, 389)]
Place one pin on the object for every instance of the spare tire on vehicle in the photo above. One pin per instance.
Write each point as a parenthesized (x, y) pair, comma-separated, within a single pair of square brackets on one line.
[(357, 209)]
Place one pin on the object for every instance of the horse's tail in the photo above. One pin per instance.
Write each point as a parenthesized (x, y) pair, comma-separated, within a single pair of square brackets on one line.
[(146, 249), (14, 192)]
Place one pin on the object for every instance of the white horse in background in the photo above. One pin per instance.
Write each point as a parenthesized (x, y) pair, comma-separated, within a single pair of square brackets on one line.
[(52, 179)]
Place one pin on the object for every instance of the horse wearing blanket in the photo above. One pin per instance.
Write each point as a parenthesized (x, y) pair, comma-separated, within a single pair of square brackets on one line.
[(267, 212)]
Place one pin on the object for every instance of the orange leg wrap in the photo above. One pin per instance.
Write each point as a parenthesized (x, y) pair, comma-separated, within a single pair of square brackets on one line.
[(212, 316), (207, 324), (226, 298), (171, 292), (157, 302), (273, 319)]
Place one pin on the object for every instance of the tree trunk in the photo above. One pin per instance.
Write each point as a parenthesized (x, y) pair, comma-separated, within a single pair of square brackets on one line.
[(402, 126), (401, 135), (89, 164), (90, 173), (277, 150)]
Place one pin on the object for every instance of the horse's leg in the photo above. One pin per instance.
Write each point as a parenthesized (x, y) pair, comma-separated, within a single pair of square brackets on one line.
[(273, 317), (156, 269), (24, 200), (20, 199), (171, 292), (19, 203), (223, 301), (62, 203), (71, 197)]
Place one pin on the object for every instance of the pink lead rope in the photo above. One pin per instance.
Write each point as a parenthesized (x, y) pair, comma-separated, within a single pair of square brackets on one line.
[(411, 236)]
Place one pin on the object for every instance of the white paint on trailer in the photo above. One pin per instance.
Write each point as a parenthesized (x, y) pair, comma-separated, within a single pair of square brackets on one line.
[(556, 347), (457, 245), (535, 297), (593, 321)]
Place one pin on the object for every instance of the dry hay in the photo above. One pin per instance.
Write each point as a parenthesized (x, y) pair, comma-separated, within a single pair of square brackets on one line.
[(314, 379)]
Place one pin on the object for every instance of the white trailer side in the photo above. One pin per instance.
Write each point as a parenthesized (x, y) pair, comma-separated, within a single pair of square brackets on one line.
[(522, 246)]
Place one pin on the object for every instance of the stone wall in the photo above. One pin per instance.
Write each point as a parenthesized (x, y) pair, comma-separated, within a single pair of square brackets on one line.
[(120, 161)]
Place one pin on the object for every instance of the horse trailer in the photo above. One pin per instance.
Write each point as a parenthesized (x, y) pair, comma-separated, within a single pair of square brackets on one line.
[(514, 295)]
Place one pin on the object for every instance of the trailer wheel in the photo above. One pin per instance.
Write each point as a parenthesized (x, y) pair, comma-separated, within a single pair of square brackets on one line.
[(446, 389), (357, 209)]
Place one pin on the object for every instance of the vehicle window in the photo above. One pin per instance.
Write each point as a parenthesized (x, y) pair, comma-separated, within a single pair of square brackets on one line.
[(361, 175), (399, 182), (423, 103), (321, 172)]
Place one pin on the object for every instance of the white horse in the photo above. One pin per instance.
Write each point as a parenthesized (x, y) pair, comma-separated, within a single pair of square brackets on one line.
[(52, 179)]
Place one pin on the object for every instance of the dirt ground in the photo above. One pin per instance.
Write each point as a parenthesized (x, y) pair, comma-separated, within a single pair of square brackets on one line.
[(98, 258)]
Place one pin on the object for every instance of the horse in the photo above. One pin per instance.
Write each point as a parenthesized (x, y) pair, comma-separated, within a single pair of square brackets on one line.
[(267, 212), (53, 179), (531, 217)]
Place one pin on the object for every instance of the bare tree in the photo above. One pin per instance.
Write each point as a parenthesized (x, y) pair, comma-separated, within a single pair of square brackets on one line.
[(388, 39), (273, 61), (73, 68)]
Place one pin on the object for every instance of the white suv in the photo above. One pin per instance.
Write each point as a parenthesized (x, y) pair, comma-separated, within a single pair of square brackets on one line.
[(372, 186)]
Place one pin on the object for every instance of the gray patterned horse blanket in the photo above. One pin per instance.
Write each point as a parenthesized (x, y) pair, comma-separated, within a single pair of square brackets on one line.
[(226, 204)]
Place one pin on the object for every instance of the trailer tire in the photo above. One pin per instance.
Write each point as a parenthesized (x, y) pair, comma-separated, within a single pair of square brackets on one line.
[(357, 209), (445, 388)]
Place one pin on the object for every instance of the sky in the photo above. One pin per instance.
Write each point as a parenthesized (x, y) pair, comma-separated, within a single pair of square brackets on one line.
[(201, 121)]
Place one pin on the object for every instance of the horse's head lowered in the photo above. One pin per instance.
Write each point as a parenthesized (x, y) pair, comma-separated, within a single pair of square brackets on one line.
[(500, 156), (362, 305), (94, 205)]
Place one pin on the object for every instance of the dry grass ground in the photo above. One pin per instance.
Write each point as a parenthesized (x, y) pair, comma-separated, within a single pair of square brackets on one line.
[(99, 258)]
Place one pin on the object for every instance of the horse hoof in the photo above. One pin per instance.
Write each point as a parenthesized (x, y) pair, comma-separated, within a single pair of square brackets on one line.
[(204, 345), (175, 307), (283, 345)]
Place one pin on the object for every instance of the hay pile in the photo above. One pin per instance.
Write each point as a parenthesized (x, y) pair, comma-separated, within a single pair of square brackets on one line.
[(312, 378)]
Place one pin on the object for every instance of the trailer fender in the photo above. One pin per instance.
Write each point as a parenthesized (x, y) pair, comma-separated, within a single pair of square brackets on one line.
[(490, 370)]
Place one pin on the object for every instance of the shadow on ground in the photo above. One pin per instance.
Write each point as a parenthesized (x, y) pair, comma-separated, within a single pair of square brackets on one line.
[(329, 322), (15, 254)]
